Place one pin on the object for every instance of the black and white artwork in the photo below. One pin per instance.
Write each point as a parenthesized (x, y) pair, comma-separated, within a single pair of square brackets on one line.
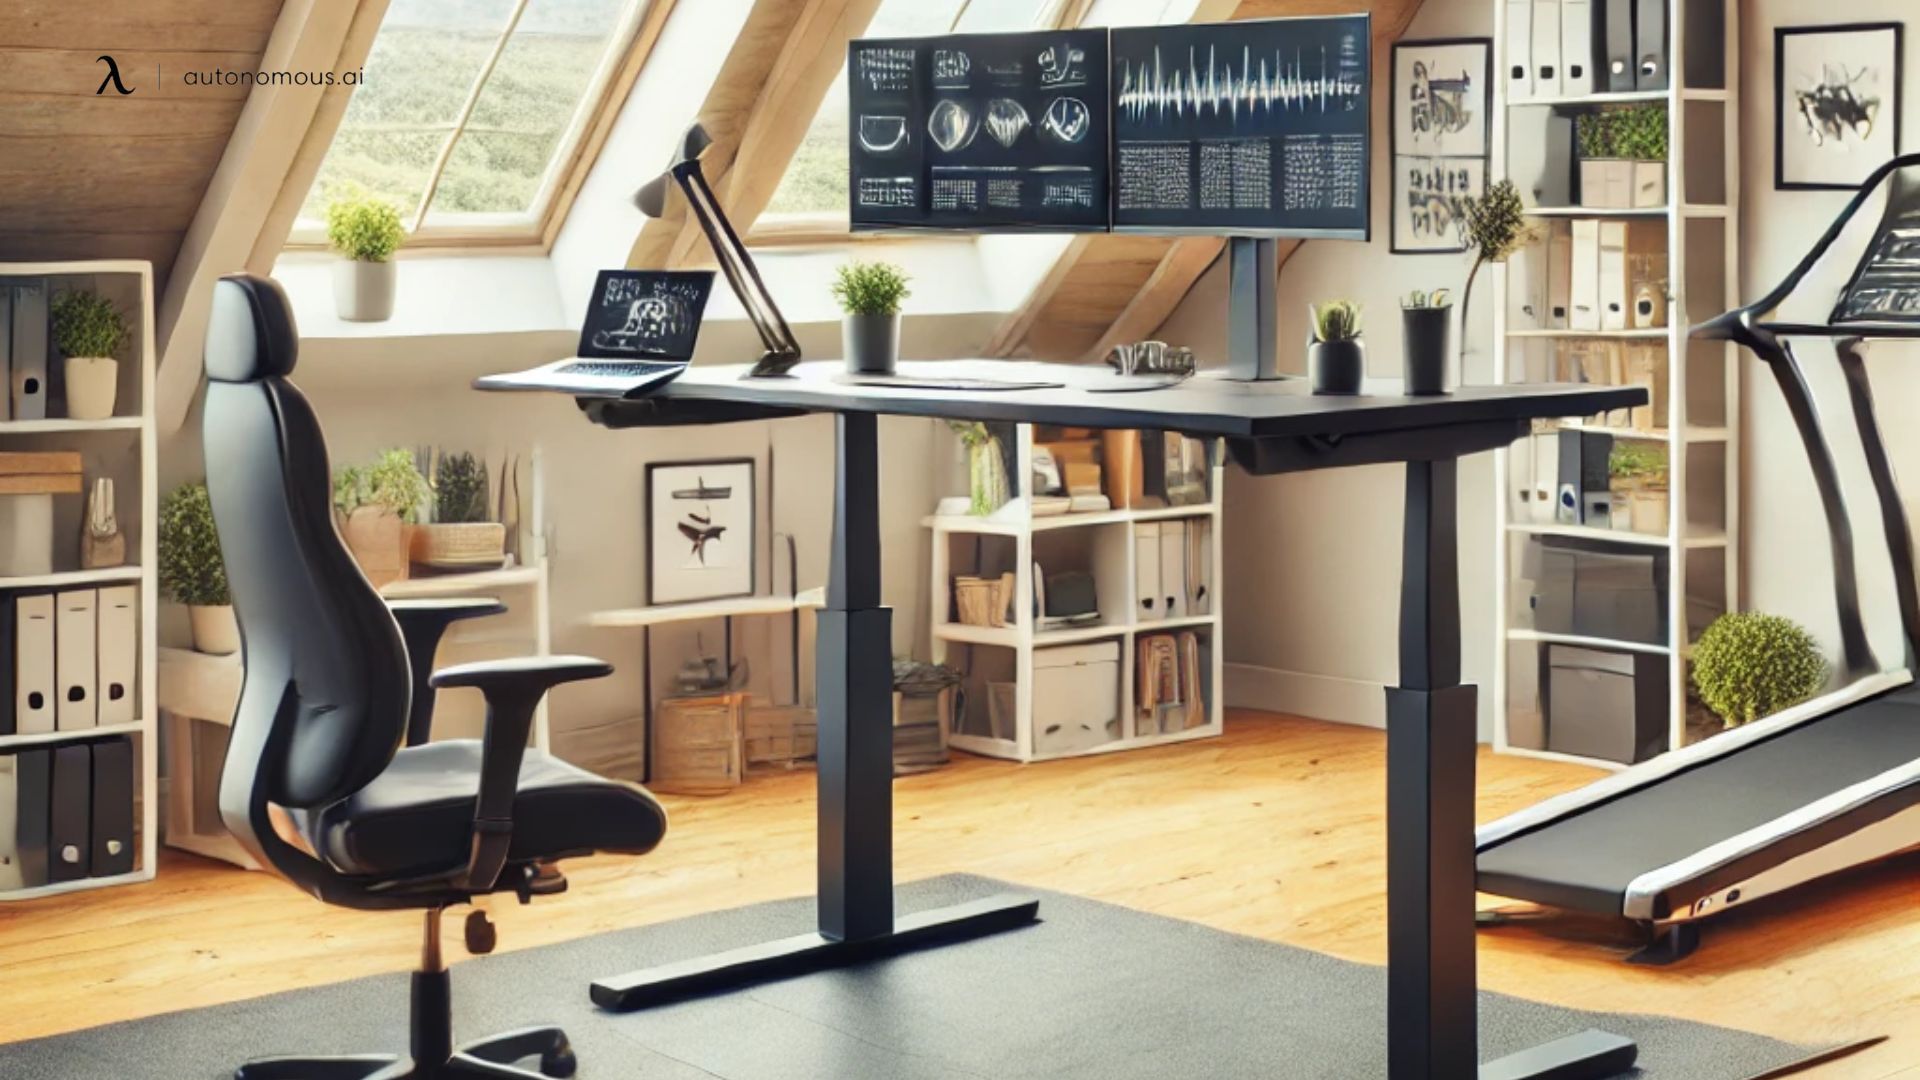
[(1441, 118), (645, 314), (980, 131), (700, 530), (1837, 103), (1251, 127)]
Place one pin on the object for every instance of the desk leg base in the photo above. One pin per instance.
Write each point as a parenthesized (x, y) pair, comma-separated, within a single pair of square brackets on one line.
[(1590, 1055), (804, 954)]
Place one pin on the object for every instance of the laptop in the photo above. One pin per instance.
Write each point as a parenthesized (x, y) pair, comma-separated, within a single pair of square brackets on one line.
[(640, 332)]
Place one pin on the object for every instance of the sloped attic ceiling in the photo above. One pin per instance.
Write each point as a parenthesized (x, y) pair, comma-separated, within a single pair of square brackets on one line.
[(108, 175)]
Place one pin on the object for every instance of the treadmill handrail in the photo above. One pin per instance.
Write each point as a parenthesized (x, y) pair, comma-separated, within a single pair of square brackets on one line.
[(1644, 893), (1648, 773)]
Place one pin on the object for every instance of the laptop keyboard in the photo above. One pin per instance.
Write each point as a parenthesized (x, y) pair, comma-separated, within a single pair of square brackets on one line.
[(617, 369)]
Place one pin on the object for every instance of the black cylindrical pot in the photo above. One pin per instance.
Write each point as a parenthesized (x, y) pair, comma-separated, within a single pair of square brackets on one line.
[(1429, 337), (1337, 367), (872, 343)]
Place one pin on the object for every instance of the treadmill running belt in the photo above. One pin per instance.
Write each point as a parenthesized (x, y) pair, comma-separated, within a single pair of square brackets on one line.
[(1587, 860)]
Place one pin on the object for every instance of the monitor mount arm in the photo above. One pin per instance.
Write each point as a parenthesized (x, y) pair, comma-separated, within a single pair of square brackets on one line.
[(1252, 330), (782, 351)]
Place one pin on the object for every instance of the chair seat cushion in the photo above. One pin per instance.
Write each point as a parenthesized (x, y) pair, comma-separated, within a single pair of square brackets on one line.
[(416, 818)]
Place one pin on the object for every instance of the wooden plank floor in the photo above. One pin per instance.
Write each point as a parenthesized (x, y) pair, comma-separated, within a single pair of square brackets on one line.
[(1275, 830)]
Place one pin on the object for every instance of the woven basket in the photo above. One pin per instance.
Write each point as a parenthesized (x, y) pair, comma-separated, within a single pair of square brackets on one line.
[(454, 545), (982, 601)]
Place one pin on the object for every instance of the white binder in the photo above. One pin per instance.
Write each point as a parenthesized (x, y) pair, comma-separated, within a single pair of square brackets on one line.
[(1173, 569), (118, 653), (76, 630), (1519, 46), (33, 664), (1584, 276), (1576, 48), (10, 875), (1546, 48), (1613, 275), (1560, 275), (1148, 605), (1527, 288), (29, 359)]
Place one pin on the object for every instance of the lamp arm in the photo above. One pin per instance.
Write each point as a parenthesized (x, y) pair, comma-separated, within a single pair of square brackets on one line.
[(740, 271)]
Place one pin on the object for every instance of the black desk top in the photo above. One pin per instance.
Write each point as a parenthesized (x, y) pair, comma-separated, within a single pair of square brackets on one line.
[(1203, 405)]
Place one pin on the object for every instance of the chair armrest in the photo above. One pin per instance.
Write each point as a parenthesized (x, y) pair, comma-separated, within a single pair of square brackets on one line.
[(513, 689), (422, 624)]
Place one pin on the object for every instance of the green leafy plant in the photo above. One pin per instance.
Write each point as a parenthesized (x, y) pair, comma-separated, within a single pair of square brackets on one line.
[(1636, 132), (460, 490), (365, 228), (1594, 133), (1335, 320), (87, 324), (191, 571), (1421, 298), (392, 482), (870, 288), (1636, 462), (1748, 665), (1494, 226)]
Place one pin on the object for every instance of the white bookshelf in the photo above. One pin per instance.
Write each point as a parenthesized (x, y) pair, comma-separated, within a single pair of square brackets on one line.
[(121, 448), (1103, 543), (1698, 408)]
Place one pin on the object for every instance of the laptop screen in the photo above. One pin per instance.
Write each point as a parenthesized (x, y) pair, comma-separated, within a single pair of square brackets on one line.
[(645, 314)]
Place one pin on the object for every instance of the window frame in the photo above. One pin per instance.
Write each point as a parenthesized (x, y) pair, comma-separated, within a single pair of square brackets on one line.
[(828, 227), (580, 142)]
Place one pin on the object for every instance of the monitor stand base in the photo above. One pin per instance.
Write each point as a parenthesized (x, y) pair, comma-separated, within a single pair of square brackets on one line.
[(1252, 266)]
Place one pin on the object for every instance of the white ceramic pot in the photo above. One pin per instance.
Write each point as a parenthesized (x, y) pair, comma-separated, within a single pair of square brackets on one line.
[(215, 630), (363, 291), (92, 384)]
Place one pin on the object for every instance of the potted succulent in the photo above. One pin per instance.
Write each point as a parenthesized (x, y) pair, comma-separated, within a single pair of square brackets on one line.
[(1639, 475), (376, 505), (462, 532), (191, 570), (1427, 323), (870, 294), (88, 329), (1623, 157), (1337, 358), (1749, 665), (365, 232)]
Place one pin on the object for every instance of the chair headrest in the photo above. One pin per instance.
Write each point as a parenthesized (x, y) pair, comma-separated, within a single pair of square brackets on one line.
[(250, 335)]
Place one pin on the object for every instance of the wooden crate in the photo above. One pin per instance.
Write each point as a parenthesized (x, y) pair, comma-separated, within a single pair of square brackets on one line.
[(780, 737), (697, 745)]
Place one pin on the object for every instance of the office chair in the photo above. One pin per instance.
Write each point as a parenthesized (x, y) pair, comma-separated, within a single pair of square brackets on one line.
[(328, 702)]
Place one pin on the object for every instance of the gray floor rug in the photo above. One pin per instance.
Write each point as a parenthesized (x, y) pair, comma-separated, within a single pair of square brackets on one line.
[(1094, 991)]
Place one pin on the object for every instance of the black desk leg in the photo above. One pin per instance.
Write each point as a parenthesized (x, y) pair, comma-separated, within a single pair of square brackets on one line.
[(1431, 720), (855, 699)]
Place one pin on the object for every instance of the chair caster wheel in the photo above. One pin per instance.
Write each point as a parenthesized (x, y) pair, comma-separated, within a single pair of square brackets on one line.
[(559, 1062), (480, 934)]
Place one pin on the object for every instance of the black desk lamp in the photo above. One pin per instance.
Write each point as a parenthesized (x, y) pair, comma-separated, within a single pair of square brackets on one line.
[(782, 351)]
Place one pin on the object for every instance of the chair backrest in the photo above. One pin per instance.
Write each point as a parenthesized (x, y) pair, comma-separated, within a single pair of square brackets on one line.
[(324, 705)]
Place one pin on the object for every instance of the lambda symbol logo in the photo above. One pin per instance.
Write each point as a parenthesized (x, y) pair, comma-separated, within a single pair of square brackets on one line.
[(113, 76)]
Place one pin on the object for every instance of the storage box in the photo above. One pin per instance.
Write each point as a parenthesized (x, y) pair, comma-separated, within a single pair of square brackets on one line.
[(779, 737), (1076, 697), (1593, 588), (697, 746), (1604, 703)]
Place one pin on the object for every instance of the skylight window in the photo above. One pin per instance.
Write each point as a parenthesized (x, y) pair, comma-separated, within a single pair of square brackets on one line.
[(471, 111)]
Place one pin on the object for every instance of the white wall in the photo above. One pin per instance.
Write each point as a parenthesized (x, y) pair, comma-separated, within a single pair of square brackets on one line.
[(1312, 615), (1785, 568)]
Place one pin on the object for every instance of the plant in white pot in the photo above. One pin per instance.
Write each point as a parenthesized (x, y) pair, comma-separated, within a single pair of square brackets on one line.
[(365, 232), (88, 330), (463, 532), (870, 294), (191, 571), (378, 505)]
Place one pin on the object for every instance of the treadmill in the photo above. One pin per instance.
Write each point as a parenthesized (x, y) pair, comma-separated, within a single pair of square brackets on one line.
[(1829, 784)]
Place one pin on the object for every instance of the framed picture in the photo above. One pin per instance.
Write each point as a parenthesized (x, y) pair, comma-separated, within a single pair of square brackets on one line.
[(1836, 96), (1442, 112), (700, 530)]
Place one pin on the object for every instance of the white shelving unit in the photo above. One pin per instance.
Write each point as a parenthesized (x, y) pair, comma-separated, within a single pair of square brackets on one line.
[(1105, 540), (1698, 397), (121, 448)]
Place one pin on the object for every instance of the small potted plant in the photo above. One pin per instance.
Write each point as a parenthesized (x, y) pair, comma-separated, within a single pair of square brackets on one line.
[(987, 487), (365, 232), (870, 294), (88, 329), (462, 532), (1427, 323), (377, 504), (1749, 665), (1494, 226), (1337, 358), (1639, 475), (191, 570), (1623, 157)]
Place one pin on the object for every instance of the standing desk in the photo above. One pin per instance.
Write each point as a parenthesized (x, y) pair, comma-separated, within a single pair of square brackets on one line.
[(1269, 428)]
